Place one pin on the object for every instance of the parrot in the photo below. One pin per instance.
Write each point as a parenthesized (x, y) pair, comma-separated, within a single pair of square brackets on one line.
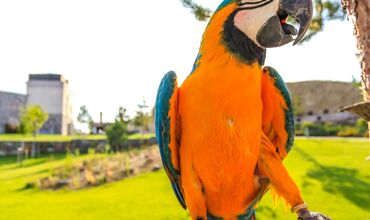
[(223, 133)]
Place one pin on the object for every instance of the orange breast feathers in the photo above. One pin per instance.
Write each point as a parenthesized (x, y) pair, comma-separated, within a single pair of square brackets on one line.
[(220, 111)]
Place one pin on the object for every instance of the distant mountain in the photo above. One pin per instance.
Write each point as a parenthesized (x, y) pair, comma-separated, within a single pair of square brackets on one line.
[(319, 96)]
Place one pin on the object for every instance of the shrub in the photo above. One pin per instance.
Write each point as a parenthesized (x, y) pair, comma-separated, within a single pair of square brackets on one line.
[(32, 119), (312, 129), (329, 129), (116, 135), (362, 127), (349, 131), (10, 128), (326, 129)]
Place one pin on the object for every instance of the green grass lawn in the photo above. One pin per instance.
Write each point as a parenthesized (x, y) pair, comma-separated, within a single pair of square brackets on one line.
[(333, 175), (62, 138)]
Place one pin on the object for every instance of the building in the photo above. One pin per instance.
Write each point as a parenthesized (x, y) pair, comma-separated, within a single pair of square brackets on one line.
[(332, 117), (10, 103), (320, 101), (51, 92)]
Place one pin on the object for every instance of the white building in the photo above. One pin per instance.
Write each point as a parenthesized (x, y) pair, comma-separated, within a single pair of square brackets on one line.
[(51, 92)]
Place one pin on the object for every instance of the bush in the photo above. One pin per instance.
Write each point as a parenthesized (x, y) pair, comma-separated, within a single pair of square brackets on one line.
[(329, 129), (348, 131), (10, 128), (362, 127), (326, 129), (116, 135), (32, 119)]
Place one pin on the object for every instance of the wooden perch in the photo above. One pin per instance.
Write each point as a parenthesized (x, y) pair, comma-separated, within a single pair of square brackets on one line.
[(362, 109)]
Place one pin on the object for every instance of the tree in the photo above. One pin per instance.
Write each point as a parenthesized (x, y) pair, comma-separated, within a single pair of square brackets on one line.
[(32, 119), (117, 133), (324, 11), (356, 83), (201, 13), (297, 106), (358, 11), (84, 117), (122, 117), (142, 118)]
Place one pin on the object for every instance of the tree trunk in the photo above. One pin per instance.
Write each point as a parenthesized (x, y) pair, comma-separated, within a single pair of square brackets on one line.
[(359, 11)]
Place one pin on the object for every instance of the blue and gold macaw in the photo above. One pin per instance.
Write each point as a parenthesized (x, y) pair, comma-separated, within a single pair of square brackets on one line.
[(224, 133)]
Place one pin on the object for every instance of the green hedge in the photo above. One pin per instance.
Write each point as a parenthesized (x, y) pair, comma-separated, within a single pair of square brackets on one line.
[(329, 129)]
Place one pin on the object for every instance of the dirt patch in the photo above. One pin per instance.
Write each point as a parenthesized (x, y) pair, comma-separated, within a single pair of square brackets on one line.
[(99, 170)]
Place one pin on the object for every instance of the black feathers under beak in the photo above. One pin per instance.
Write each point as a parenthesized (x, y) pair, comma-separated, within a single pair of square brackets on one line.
[(275, 32)]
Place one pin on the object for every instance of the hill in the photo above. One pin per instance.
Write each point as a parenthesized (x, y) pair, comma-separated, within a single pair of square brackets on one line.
[(317, 96)]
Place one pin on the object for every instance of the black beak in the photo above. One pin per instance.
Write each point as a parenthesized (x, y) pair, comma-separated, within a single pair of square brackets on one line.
[(301, 11), (275, 32)]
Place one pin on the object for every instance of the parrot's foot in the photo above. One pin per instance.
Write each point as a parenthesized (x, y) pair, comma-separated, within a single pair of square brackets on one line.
[(307, 215)]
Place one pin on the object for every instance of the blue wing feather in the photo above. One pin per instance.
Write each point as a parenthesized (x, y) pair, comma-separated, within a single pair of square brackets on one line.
[(162, 125)]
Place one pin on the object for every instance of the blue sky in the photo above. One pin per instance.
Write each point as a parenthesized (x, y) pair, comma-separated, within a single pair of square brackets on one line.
[(114, 52)]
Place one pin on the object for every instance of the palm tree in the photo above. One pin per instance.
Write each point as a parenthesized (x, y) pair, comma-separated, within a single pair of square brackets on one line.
[(358, 11)]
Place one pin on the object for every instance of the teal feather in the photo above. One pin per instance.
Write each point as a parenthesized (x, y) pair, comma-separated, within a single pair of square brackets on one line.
[(224, 4), (162, 127), (289, 116)]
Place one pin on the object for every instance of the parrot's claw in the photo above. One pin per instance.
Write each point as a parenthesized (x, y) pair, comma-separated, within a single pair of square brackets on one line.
[(307, 215)]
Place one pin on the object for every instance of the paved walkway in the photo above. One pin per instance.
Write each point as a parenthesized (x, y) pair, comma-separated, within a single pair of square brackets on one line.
[(334, 138)]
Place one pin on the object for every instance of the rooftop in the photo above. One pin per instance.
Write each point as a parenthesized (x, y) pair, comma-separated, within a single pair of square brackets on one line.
[(11, 93), (47, 76)]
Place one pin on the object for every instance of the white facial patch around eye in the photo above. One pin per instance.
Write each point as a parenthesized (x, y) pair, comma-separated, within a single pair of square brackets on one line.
[(253, 14)]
